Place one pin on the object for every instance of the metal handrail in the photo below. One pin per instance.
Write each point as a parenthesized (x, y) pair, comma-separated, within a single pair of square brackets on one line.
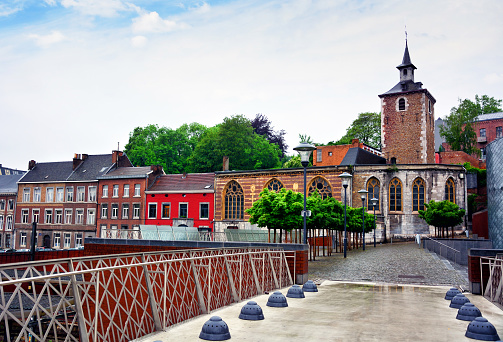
[(444, 245), (494, 289)]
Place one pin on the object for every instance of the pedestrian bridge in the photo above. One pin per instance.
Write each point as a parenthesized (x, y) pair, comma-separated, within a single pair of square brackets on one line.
[(127, 296)]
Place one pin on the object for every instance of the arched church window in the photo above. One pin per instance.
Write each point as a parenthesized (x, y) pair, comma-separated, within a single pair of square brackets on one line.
[(395, 195), (274, 185), (401, 104), (449, 191), (234, 202), (321, 185), (418, 195), (373, 187)]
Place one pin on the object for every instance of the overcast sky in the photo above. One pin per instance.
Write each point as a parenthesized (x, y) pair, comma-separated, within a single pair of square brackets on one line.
[(77, 76)]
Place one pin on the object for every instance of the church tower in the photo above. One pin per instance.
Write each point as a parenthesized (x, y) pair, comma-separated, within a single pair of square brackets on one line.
[(407, 119)]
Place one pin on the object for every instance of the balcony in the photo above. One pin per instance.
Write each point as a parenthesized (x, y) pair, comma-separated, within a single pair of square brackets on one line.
[(481, 139)]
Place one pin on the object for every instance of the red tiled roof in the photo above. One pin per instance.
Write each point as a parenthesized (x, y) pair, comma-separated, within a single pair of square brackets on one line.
[(190, 182)]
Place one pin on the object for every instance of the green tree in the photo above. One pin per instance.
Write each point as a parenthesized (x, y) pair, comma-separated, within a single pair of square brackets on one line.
[(293, 162), (366, 128), (235, 139), (442, 215), (458, 129), (325, 213), (354, 220)]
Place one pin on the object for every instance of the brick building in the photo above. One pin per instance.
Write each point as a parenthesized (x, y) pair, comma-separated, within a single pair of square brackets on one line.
[(62, 198), (182, 200), (8, 194), (121, 198), (488, 128), (335, 154)]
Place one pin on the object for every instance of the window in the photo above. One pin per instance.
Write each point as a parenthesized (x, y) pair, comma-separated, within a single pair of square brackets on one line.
[(126, 190), (56, 239), (68, 216), (234, 202), (26, 194), (10, 205), (166, 214), (67, 240), (136, 210), (2, 205), (152, 210), (22, 240), (24, 216), (137, 190), (115, 190), (58, 213), (79, 216), (92, 194), (104, 211), (81, 193), (69, 194), (7, 240), (91, 216), (125, 210), (395, 195), (8, 222), (418, 195), (36, 195), (78, 240), (204, 211), (318, 156), (482, 132), (483, 153), (429, 106), (401, 104), (60, 194), (499, 132), (115, 211), (449, 191), (36, 214), (320, 185), (373, 187), (183, 210), (1, 222), (105, 190), (49, 194), (48, 216), (274, 185)]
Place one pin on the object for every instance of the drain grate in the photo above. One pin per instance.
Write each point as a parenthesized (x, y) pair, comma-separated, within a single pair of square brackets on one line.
[(410, 276)]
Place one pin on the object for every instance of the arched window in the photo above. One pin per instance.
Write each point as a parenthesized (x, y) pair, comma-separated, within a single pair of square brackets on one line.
[(274, 185), (373, 187), (234, 202), (405, 72), (321, 185), (449, 191), (401, 104), (395, 195), (418, 195)]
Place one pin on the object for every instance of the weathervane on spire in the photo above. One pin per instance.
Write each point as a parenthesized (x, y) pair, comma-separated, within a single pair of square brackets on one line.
[(406, 33)]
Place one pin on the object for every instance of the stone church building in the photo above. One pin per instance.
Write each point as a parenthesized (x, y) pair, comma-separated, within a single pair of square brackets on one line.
[(403, 176)]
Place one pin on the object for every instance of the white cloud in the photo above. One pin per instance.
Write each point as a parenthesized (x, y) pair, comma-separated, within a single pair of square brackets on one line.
[(6, 10), (202, 7), (493, 78), (139, 41), (47, 40), (103, 8), (153, 23), (51, 2)]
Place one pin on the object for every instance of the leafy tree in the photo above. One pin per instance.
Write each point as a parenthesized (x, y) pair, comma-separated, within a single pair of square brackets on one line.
[(354, 220), (262, 126), (293, 162), (235, 139), (366, 128), (458, 128), (442, 214), (325, 213)]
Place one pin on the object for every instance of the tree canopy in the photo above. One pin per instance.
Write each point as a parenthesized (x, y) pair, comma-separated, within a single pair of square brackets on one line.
[(442, 214), (458, 129), (325, 213), (366, 128), (262, 126)]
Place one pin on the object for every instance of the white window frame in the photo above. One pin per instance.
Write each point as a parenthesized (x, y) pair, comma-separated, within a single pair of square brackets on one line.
[(180, 209), (56, 239), (137, 190), (200, 210), (162, 210), (2, 204), (78, 240), (91, 194), (114, 214), (68, 216), (150, 205), (104, 190), (136, 210), (91, 216), (37, 194), (10, 205), (26, 195), (79, 216), (104, 210), (67, 240), (35, 215), (58, 216), (1, 222), (25, 216), (125, 210), (49, 195), (69, 193), (115, 190), (23, 237), (48, 216), (81, 193), (60, 194), (125, 190)]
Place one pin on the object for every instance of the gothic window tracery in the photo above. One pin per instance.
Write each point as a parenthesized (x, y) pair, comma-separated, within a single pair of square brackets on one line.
[(373, 187), (234, 202), (321, 185), (274, 185), (449, 191), (418, 195), (395, 195)]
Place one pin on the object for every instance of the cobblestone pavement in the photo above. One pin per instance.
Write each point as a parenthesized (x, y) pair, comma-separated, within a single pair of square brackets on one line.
[(397, 263)]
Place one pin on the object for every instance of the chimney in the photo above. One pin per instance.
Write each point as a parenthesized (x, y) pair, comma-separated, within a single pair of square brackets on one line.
[(76, 160), (226, 163), (84, 156), (116, 157), (31, 164)]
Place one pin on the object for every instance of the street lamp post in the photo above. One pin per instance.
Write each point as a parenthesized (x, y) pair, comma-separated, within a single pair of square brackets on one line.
[(363, 194), (345, 182), (374, 203), (305, 151)]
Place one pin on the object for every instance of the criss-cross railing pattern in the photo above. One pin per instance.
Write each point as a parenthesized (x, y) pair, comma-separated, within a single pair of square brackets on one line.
[(494, 288), (124, 297)]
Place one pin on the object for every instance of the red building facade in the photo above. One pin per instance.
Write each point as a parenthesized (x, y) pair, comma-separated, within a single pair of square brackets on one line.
[(182, 200)]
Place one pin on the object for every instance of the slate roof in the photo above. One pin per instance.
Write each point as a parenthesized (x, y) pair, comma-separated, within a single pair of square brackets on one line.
[(88, 170), (8, 184), (405, 87), (190, 182), (358, 156), (128, 172), (406, 59), (490, 116)]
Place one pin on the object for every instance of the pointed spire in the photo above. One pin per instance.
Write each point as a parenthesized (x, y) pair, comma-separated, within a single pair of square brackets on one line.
[(406, 62)]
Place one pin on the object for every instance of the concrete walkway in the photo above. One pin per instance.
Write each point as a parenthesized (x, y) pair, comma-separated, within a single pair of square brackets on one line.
[(376, 310)]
